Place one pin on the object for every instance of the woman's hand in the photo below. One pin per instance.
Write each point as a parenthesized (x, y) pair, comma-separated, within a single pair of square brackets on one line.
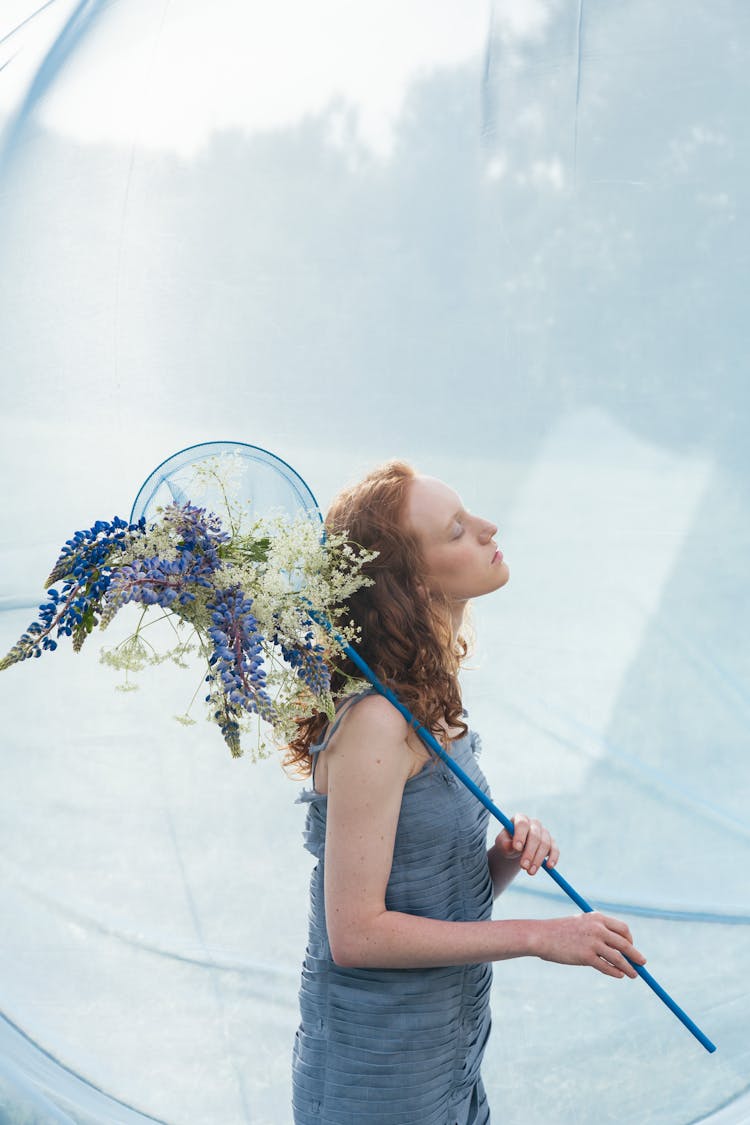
[(589, 939), (527, 848), (530, 844)]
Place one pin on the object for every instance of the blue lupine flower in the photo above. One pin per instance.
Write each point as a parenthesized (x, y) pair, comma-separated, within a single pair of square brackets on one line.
[(307, 659), (90, 549), (73, 612), (84, 564), (161, 582), (196, 531), (237, 674)]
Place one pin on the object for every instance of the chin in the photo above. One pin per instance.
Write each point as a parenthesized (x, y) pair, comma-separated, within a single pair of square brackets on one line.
[(500, 581), (504, 574)]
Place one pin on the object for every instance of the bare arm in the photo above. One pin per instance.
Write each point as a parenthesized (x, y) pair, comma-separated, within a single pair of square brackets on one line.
[(368, 764), (503, 869)]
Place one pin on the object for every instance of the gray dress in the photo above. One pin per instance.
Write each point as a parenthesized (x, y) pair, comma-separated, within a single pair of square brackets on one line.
[(401, 1046)]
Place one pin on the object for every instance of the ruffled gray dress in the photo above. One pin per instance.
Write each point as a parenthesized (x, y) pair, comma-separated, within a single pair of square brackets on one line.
[(401, 1046)]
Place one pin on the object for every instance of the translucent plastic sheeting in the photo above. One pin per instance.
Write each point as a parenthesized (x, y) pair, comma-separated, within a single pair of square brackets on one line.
[(509, 244)]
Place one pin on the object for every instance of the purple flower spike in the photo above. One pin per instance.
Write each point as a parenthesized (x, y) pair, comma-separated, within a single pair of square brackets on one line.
[(237, 675), (307, 659)]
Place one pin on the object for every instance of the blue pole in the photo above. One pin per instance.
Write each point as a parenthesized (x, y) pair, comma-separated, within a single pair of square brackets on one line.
[(430, 740)]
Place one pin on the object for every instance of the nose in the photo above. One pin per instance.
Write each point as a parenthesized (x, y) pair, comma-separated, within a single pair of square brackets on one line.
[(488, 530)]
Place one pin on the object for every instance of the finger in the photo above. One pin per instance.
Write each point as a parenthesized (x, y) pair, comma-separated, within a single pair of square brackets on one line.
[(623, 944), (537, 844), (618, 961), (623, 952), (520, 831), (618, 926), (554, 854), (531, 847), (609, 970), (542, 850), (633, 954)]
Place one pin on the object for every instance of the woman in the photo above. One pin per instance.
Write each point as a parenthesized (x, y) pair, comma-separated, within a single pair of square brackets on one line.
[(397, 972)]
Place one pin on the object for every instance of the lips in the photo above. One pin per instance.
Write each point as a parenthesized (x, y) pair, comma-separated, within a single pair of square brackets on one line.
[(498, 556)]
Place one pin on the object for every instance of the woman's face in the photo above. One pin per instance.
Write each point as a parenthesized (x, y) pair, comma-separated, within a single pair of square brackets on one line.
[(460, 556)]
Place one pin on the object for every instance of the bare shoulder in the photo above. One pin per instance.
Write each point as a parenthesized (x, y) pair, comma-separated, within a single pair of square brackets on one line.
[(371, 718), (371, 738)]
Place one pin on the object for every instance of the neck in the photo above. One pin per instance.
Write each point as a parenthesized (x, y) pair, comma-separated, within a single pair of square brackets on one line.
[(457, 617)]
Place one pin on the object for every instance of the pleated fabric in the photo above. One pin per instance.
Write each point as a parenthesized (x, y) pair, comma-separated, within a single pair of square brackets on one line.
[(401, 1046)]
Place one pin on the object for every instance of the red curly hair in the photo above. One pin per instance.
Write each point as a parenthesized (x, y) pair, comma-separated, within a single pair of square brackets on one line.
[(406, 630)]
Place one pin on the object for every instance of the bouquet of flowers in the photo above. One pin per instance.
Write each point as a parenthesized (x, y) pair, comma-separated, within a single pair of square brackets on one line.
[(244, 597)]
